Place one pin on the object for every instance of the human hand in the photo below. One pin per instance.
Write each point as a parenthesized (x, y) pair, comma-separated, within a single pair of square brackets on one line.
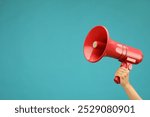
[(123, 73)]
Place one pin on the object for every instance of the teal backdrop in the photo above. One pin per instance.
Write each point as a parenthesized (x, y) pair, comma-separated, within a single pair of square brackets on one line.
[(41, 48)]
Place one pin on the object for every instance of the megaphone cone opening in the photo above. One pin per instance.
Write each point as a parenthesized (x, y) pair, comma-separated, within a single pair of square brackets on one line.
[(95, 44)]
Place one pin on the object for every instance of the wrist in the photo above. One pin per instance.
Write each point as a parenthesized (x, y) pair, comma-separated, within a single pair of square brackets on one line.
[(126, 85)]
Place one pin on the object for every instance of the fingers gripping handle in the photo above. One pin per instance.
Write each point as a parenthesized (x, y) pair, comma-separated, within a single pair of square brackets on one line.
[(125, 65)]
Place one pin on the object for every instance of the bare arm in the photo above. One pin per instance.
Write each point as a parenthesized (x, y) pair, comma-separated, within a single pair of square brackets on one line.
[(123, 73)]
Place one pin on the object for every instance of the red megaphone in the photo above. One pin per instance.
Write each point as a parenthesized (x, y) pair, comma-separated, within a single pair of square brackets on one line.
[(98, 44)]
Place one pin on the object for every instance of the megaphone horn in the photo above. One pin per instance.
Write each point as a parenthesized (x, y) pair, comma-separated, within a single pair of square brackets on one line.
[(98, 44)]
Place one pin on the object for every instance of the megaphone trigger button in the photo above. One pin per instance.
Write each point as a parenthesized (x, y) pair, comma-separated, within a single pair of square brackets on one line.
[(130, 66)]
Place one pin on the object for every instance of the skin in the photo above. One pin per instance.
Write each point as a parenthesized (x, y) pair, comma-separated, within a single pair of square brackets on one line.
[(123, 73)]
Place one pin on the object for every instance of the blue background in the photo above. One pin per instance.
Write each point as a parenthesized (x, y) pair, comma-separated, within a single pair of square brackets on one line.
[(41, 48)]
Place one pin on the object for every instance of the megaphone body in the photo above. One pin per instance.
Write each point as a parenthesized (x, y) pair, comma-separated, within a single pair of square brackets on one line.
[(98, 44)]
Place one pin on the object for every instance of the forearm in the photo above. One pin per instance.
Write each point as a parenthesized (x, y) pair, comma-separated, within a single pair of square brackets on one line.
[(132, 94)]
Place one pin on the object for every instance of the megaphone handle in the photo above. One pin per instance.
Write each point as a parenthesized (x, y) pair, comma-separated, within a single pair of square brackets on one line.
[(125, 65)]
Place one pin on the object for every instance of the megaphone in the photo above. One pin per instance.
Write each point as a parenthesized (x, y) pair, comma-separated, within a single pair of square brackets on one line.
[(98, 44)]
